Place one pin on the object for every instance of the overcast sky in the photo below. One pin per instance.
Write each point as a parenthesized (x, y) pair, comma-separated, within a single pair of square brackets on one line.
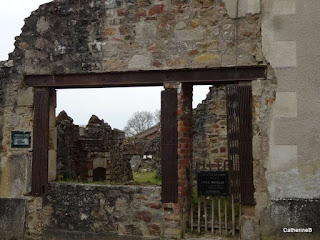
[(114, 105)]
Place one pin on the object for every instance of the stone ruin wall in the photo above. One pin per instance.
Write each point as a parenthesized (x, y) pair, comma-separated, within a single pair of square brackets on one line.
[(210, 143), (125, 35), (106, 211), (67, 138), (81, 155), (4, 72), (136, 148)]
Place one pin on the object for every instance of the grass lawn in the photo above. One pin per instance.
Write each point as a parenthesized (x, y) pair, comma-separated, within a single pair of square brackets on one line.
[(140, 178), (146, 178)]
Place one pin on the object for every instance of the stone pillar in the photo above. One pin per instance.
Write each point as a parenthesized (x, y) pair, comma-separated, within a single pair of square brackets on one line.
[(248, 222), (52, 150)]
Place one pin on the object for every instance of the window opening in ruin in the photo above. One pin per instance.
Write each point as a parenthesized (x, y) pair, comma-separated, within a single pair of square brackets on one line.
[(94, 142)]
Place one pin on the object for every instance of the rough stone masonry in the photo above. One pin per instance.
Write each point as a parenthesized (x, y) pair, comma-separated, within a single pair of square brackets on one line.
[(210, 131), (69, 209), (89, 36), (90, 153)]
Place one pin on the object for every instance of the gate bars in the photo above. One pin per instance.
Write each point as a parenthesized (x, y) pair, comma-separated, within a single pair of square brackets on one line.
[(239, 124)]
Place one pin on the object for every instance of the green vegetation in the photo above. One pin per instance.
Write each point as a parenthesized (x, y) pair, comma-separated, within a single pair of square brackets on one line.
[(146, 178), (66, 178), (195, 196), (87, 182)]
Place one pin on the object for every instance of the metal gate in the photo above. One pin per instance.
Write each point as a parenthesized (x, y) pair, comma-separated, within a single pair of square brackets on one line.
[(221, 214)]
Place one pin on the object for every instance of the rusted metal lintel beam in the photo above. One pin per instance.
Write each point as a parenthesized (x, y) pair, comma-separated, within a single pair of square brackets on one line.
[(147, 78)]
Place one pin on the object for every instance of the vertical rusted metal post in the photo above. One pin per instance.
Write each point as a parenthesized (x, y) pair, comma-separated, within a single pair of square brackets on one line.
[(40, 141), (169, 138)]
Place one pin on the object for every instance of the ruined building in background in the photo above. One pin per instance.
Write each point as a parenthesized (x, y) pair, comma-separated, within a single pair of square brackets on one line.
[(91, 153), (144, 150)]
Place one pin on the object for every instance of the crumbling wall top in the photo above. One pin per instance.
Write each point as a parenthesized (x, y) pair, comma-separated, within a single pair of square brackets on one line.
[(101, 36)]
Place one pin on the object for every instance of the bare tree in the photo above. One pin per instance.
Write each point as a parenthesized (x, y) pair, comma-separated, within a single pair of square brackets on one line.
[(139, 122), (157, 116)]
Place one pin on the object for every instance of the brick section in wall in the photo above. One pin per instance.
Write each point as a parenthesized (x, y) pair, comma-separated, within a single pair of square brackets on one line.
[(184, 142)]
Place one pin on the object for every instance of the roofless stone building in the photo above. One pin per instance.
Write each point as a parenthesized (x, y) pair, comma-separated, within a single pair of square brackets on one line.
[(92, 153)]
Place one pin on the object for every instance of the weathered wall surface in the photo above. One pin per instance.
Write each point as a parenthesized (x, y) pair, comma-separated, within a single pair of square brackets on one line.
[(295, 157), (288, 214), (71, 210), (263, 97), (12, 218), (16, 114), (65, 36), (290, 44)]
